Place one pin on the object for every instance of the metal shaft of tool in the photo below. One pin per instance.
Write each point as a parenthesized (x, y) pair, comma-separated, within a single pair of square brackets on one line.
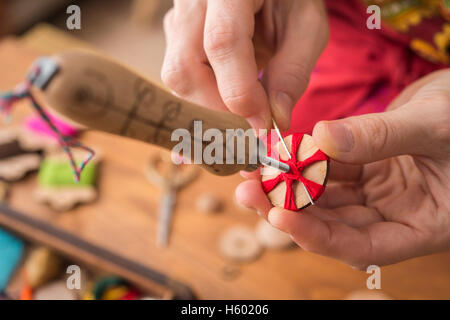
[(274, 163), (277, 130), (165, 217)]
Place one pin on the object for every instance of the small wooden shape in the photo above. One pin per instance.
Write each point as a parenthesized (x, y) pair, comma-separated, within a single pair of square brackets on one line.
[(41, 266), (56, 185), (15, 168), (15, 159), (239, 244), (317, 172), (56, 290), (64, 199), (209, 203), (270, 237)]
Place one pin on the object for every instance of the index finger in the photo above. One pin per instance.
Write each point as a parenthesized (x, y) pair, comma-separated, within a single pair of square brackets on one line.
[(229, 29)]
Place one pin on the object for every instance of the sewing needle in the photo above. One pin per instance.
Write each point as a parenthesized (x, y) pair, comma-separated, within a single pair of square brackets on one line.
[(277, 130)]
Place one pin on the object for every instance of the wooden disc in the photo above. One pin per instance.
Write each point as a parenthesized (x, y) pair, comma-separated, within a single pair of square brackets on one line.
[(239, 243), (317, 172), (209, 203), (55, 291)]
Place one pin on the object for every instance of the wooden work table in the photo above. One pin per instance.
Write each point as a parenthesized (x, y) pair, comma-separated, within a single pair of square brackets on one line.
[(124, 219)]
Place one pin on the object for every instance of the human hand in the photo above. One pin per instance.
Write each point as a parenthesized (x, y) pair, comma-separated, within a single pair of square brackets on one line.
[(390, 198), (211, 60)]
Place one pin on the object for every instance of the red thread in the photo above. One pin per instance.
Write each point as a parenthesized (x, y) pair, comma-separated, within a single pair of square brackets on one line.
[(315, 190)]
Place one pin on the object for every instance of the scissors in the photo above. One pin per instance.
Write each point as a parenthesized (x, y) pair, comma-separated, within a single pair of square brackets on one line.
[(163, 173)]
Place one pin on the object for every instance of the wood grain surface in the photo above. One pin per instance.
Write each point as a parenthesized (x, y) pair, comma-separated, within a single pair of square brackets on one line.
[(124, 220)]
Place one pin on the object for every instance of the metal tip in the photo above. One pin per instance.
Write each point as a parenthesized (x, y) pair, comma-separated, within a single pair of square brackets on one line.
[(277, 130), (275, 164)]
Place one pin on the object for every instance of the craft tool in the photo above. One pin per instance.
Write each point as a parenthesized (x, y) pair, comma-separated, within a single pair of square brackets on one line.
[(170, 181), (101, 94), (23, 91)]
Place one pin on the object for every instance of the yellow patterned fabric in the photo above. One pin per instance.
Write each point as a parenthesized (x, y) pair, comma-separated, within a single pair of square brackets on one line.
[(426, 23)]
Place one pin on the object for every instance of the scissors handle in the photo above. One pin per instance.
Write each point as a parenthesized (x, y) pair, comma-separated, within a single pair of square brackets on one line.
[(175, 176)]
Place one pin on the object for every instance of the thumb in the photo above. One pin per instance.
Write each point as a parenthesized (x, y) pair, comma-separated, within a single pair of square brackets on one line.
[(372, 137)]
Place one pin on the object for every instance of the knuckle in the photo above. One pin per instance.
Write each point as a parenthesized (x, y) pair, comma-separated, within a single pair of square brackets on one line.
[(167, 21), (220, 38), (297, 73), (359, 265), (236, 98), (175, 76), (377, 131)]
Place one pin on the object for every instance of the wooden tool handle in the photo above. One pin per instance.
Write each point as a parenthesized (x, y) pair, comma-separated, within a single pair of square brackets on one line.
[(101, 94)]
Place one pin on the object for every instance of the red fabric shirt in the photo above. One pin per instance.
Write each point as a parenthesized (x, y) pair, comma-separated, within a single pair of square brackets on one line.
[(360, 71)]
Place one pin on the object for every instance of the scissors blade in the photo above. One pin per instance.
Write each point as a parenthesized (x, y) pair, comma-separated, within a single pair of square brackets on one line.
[(277, 130)]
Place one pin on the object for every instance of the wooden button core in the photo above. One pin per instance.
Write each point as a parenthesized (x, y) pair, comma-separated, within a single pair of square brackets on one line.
[(317, 172)]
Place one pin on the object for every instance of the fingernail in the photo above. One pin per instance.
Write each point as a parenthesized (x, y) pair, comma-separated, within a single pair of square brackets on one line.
[(175, 94), (283, 105), (342, 136), (257, 122)]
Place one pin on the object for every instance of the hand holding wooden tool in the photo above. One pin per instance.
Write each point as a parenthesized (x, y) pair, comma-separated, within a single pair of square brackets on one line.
[(101, 94)]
